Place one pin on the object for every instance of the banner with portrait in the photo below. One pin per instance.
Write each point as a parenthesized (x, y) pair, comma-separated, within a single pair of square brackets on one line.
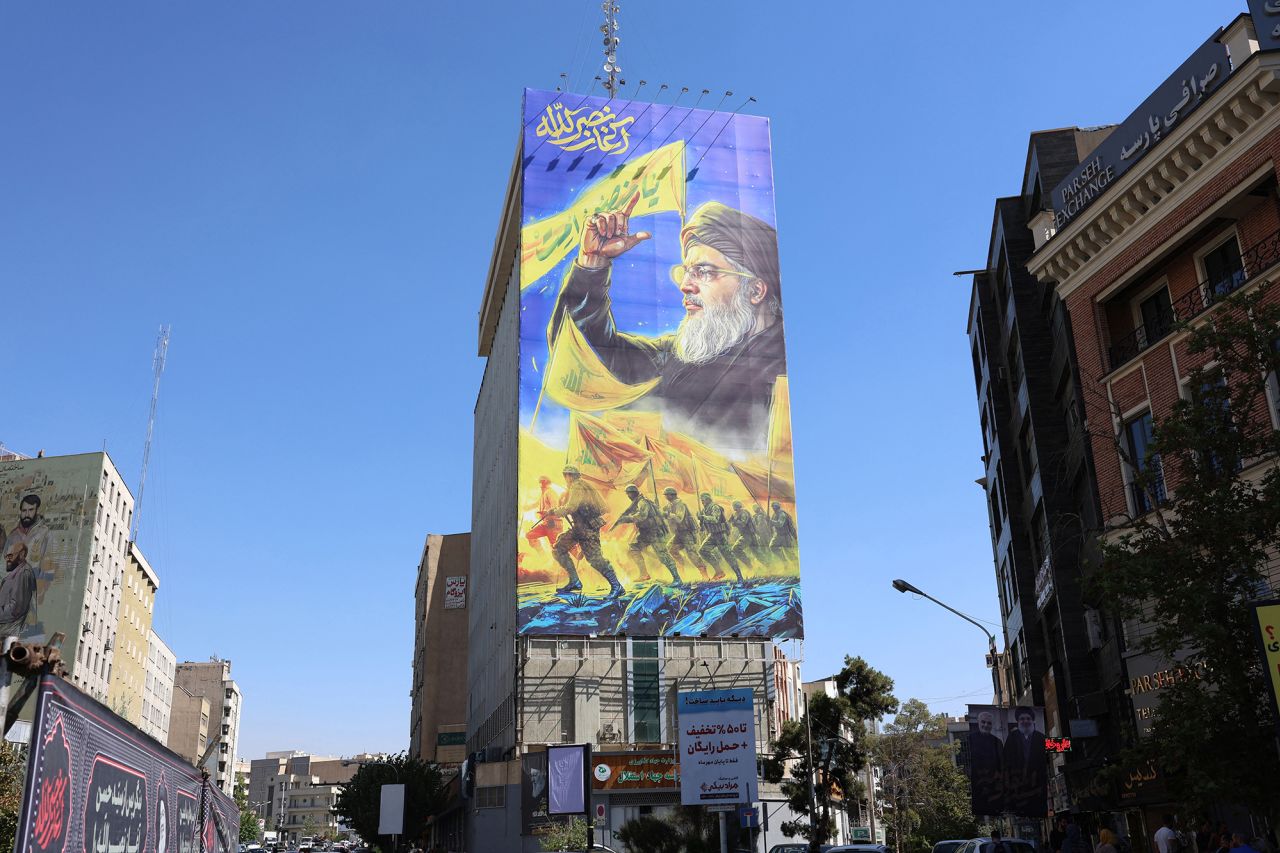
[(97, 784), (656, 479), (1008, 765)]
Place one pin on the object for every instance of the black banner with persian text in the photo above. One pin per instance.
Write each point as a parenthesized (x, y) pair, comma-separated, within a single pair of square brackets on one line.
[(97, 784)]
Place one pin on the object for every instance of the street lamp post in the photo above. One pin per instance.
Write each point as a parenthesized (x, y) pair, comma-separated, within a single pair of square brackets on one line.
[(902, 586)]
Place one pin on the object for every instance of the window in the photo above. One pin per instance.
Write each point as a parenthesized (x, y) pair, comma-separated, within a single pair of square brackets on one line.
[(491, 797), (1223, 268), (1015, 360), (1156, 312), (1138, 434), (645, 692), (1006, 593), (1027, 451), (1273, 382), (1214, 397)]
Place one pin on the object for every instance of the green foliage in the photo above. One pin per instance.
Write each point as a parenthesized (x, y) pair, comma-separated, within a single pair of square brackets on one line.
[(927, 794), (571, 835), (424, 795), (840, 748), (250, 831), (1190, 570), (13, 772), (687, 829)]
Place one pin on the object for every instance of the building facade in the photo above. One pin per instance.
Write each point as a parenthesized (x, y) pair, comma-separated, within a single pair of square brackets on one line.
[(212, 681), (1078, 351), (438, 716), (132, 641), (189, 722), (157, 696)]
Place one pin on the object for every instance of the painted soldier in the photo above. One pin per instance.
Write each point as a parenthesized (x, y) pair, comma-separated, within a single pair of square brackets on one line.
[(712, 521), (784, 532), (548, 526), (684, 532), (585, 510), (747, 546), (764, 530), (651, 534)]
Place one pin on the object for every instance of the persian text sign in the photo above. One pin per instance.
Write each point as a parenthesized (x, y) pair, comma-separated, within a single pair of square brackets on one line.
[(455, 592), (655, 486), (1176, 97), (1268, 615), (1266, 22), (717, 747), (96, 784), (634, 771)]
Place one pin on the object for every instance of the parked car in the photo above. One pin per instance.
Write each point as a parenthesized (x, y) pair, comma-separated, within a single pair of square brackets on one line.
[(859, 848), (799, 848), (987, 845), (948, 846)]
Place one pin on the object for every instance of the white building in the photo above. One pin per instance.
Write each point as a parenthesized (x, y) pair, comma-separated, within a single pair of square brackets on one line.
[(157, 695)]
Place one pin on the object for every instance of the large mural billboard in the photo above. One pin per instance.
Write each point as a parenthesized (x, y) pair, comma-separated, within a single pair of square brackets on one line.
[(47, 511), (656, 481)]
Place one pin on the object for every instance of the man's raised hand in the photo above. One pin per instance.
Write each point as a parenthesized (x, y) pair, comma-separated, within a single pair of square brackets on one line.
[(608, 235)]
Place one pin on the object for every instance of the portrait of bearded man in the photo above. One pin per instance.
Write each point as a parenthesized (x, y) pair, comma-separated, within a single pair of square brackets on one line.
[(717, 370)]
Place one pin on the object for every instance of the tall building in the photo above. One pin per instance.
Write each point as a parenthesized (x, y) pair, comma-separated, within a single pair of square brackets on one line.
[(189, 720), (1117, 233), (157, 696), (438, 717), (287, 787), (65, 523), (601, 375), (212, 682), (132, 642), (1038, 475)]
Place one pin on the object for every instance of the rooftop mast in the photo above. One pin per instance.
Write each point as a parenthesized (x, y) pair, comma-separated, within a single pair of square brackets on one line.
[(157, 366), (610, 30)]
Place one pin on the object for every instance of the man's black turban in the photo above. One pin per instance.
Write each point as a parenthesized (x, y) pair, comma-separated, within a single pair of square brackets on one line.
[(740, 237)]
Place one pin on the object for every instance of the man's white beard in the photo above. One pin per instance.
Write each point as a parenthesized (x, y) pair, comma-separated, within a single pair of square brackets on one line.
[(708, 333)]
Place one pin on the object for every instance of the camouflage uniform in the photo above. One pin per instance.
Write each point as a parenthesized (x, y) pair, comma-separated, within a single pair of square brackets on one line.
[(784, 533), (684, 533), (651, 533), (585, 507), (716, 545), (747, 541)]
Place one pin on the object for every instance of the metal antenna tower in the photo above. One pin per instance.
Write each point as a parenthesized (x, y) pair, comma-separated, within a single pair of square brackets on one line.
[(610, 30), (157, 366)]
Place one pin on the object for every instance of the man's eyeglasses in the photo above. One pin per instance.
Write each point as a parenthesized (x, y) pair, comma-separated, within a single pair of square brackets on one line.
[(702, 273)]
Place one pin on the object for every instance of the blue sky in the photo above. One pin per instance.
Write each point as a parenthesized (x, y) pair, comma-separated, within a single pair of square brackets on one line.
[(308, 192)]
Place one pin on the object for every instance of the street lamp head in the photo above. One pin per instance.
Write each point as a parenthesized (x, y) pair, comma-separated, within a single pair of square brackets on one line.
[(902, 586)]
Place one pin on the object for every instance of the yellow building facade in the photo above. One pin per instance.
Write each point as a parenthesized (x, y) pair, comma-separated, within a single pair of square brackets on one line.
[(129, 666)]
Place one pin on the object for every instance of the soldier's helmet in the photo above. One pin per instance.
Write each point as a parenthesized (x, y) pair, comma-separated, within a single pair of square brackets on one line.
[(706, 497), (633, 489), (569, 469), (777, 505), (669, 492), (737, 504)]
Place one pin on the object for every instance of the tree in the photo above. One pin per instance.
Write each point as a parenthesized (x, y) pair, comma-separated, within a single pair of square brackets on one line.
[(687, 829), (250, 831), (928, 794), (570, 835), (358, 801), (838, 728), (1188, 570), (13, 771)]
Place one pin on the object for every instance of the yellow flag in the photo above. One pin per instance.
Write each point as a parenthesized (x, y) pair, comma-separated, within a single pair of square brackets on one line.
[(780, 422), (577, 379), (696, 449), (602, 453), (658, 177), (638, 425), (723, 483)]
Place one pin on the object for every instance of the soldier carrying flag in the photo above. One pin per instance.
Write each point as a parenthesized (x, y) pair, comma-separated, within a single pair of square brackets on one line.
[(716, 545), (684, 533), (651, 532), (585, 509)]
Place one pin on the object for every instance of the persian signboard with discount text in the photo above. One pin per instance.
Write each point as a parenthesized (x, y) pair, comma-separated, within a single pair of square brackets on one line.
[(717, 747)]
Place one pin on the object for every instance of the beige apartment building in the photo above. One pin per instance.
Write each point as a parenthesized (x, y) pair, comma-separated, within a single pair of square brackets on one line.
[(188, 724), (438, 718), (132, 644), (212, 682)]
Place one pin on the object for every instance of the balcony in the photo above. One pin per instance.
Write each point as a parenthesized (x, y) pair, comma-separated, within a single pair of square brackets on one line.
[(1258, 258)]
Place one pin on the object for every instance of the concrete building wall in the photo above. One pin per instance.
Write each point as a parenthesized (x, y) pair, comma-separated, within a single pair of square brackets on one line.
[(492, 614), (95, 650), (133, 624), (157, 695), (439, 692), (188, 724), (213, 681), (262, 772)]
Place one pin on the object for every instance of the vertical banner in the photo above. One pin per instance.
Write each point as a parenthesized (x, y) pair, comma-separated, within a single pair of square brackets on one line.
[(567, 784), (1008, 767), (1267, 614), (95, 783), (656, 484), (391, 810), (717, 747)]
